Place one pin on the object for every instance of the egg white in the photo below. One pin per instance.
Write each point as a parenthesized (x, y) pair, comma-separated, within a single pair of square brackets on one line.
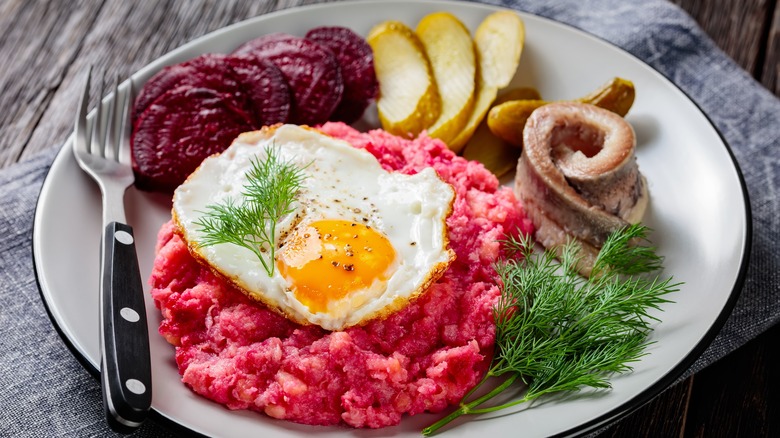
[(341, 182)]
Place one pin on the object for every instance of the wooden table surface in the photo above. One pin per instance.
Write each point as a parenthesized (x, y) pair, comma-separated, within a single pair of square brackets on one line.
[(47, 45)]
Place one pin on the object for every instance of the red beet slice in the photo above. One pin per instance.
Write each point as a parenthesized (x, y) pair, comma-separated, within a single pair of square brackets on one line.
[(356, 60), (206, 71), (265, 87), (180, 129), (166, 79), (311, 71)]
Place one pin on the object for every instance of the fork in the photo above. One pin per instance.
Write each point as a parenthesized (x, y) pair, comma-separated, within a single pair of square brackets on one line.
[(102, 149)]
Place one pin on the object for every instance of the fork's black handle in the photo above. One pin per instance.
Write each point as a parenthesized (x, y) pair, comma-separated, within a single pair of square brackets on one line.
[(126, 371)]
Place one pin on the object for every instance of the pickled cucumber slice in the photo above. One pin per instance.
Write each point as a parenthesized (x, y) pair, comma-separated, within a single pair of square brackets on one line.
[(451, 53), (507, 120), (409, 100), (499, 42)]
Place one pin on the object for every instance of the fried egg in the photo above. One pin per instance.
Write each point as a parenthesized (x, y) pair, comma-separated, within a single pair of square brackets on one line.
[(359, 244)]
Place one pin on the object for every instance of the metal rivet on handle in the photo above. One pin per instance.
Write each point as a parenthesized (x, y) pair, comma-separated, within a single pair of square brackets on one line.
[(135, 386), (129, 314), (123, 237)]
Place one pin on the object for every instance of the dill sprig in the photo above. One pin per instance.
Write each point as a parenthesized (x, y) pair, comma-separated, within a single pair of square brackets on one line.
[(268, 194), (557, 331)]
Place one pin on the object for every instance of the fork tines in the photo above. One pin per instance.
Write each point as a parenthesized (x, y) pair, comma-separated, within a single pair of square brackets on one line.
[(103, 135)]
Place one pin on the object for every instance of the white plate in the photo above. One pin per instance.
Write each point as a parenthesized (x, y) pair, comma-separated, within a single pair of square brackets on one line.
[(698, 209)]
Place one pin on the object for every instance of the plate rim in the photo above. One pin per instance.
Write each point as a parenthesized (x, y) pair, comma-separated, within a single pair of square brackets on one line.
[(609, 417)]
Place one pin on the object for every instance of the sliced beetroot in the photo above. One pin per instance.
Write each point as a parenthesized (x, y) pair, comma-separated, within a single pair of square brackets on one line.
[(165, 80), (254, 46), (311, 71), (205, 71), (265, 87), (181, 128), (356, 60)]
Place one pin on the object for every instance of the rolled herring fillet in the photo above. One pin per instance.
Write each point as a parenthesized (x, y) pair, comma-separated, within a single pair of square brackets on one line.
[(578, 177)]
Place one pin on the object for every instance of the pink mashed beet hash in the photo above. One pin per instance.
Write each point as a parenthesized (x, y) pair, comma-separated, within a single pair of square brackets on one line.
[(425, 357)]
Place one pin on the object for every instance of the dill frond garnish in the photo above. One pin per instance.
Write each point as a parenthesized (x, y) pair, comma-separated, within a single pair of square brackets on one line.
[(557, 331), (268, 194)]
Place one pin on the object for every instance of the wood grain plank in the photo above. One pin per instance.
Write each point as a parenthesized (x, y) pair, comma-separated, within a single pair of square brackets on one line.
[(770, 75), (664, 416), (739, 395), (33, 78), (741, 29)]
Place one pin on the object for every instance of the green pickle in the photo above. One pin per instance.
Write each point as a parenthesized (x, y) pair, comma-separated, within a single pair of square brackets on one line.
[(507, 119)]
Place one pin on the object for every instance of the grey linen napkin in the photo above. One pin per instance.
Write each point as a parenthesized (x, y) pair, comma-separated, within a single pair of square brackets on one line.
[(46, 392)]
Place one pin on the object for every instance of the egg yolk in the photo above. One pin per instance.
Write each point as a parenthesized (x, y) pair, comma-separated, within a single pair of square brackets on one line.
[(329, 260)]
